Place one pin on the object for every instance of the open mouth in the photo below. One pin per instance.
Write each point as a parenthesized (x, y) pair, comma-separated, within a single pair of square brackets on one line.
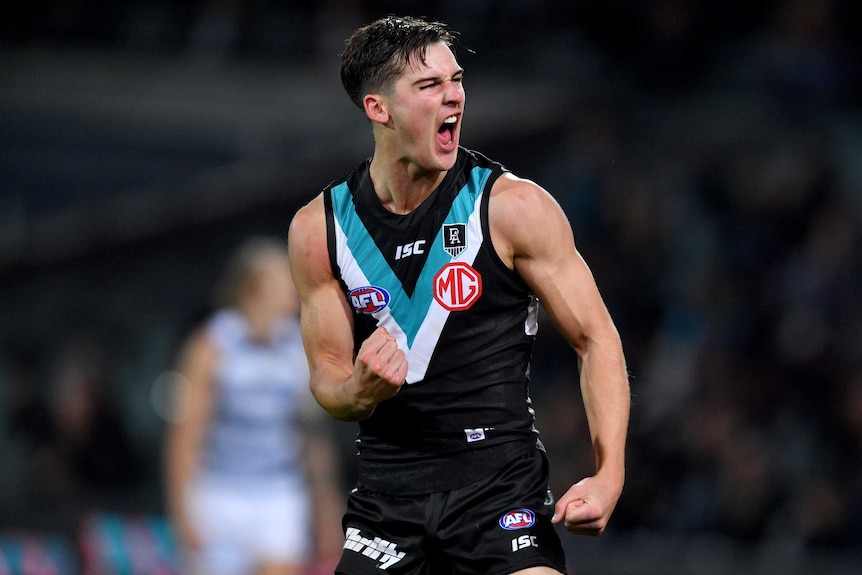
[(446, 132)]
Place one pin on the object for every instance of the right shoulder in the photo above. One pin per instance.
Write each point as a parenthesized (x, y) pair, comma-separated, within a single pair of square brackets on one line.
[(307, 243), (308, 217)]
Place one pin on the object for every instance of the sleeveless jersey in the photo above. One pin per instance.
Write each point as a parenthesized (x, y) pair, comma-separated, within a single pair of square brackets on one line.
[(260, 385), (465, 322)]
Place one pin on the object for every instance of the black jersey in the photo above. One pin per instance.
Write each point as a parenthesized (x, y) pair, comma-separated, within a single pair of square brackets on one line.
[(465, 321)]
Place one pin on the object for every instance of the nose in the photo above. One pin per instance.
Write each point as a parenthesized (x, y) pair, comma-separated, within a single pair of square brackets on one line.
[(455, 92)]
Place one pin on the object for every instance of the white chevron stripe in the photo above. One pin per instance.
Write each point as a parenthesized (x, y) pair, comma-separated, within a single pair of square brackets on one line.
[(419, 355)]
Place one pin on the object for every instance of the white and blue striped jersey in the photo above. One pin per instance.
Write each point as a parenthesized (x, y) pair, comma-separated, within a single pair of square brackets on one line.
[(260, 388)]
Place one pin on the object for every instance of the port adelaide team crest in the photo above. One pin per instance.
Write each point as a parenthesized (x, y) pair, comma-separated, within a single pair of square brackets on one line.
[(454, 239)]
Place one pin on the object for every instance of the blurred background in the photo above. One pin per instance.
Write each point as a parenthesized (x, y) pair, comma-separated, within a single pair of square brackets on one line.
[(708, 154)]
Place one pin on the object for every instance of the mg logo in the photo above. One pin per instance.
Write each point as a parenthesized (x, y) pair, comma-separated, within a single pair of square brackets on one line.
[(457, 286)]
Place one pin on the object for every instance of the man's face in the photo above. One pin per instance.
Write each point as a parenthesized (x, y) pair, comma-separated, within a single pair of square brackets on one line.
[(425, 107)]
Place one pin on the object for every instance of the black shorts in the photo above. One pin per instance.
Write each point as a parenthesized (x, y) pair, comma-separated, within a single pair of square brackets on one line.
[(495, 526)]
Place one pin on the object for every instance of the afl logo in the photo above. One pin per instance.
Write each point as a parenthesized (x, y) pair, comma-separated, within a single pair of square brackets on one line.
[(517, 519), (457, 286), (368, 299)]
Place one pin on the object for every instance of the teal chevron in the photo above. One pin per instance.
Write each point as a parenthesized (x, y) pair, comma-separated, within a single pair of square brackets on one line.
[(409, 313)]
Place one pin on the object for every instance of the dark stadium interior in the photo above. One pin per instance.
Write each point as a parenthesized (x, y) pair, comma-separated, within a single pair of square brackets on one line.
[(708, 154)]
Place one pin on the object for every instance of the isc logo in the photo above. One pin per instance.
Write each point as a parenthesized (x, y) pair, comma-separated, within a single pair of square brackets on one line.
[(517, 519), (408, 250), (523, 542), (368, 299), (457, 286)]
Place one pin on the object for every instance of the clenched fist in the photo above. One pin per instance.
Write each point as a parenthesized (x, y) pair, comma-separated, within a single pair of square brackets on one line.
[(379, 370)]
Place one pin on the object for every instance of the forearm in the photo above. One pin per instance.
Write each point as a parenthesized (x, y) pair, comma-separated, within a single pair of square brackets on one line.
[(328, 337), (606, 395), (181, 467), (331, 387), (179, 470), (350, 388)]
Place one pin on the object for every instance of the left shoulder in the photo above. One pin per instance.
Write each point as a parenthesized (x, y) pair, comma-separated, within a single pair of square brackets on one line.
[(515, 200), (511, 189), (522, 214)]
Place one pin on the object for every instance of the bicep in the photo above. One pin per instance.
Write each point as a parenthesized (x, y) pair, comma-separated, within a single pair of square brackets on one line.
[(537, 235), (326, 319)]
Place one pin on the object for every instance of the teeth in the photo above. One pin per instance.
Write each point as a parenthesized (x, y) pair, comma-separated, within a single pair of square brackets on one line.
[(450, 120)]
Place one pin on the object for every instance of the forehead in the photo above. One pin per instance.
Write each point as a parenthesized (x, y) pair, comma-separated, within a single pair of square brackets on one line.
[(439, 61)]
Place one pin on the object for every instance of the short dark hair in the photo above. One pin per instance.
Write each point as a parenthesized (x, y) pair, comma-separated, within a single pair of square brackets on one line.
[(377, 53)]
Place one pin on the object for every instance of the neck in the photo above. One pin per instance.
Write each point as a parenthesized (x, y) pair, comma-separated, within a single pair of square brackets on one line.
[(401, 186)]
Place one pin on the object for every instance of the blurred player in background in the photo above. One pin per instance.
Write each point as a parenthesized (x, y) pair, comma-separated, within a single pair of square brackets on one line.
[(251, 476), (419, 274)]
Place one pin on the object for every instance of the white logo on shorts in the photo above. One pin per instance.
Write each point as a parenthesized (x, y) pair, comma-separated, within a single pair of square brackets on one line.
[(477, 434), (376, 549)]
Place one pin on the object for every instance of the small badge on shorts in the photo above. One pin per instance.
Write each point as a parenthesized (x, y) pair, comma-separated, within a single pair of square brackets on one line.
[(517, 519), (477, 434)]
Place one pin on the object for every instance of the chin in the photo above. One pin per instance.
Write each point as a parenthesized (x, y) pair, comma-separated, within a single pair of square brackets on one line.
[(449, 163), (447, 158)]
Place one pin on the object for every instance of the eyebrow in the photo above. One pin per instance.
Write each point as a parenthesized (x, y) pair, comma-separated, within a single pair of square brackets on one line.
[(436, 78)]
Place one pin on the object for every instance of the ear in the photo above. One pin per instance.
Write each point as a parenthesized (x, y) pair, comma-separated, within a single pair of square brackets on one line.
[(375, 108)]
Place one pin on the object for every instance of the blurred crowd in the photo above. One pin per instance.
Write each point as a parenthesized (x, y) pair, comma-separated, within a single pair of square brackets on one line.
[(721, 216), (710, 168)]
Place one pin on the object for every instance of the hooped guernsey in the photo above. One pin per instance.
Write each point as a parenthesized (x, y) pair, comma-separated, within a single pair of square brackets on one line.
[(464, 320)]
